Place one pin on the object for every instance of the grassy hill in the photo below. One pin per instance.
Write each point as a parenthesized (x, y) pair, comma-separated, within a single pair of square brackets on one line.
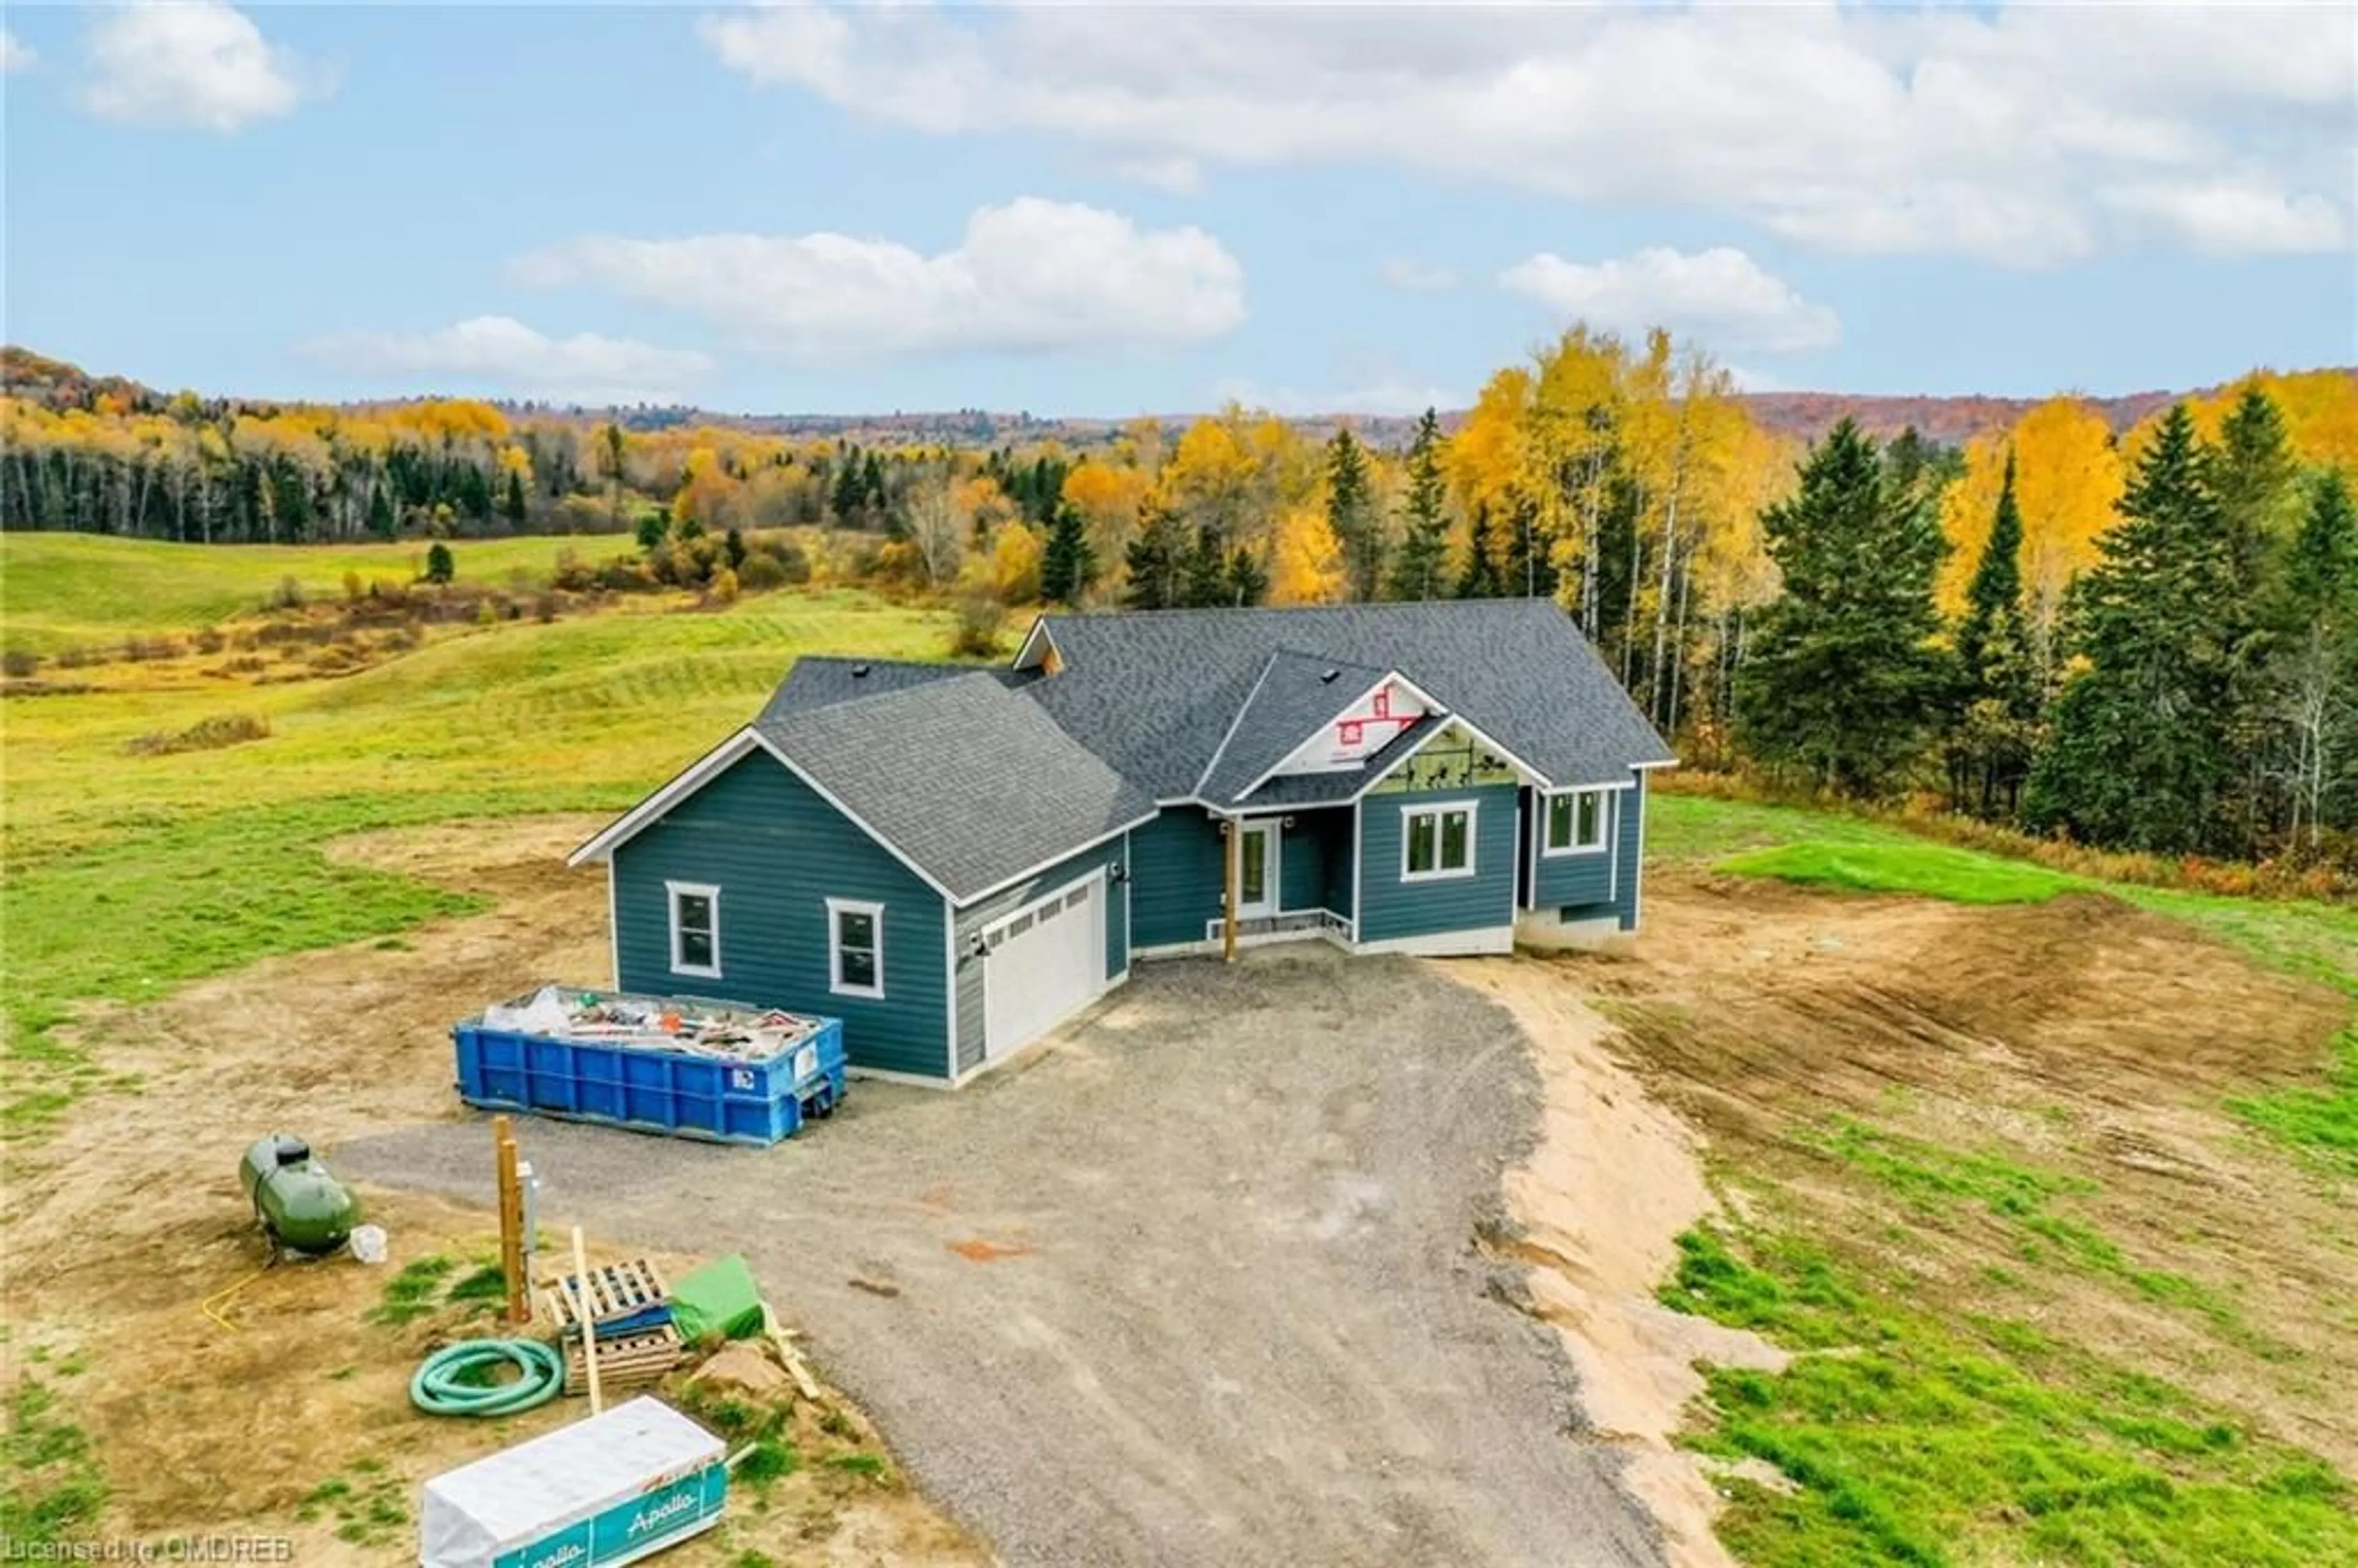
[(75, 591)]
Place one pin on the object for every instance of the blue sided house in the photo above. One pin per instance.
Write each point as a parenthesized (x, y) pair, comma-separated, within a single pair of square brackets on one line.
[(952, 860)]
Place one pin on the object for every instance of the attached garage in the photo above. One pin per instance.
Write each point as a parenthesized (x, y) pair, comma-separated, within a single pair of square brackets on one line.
[(1041, 964)]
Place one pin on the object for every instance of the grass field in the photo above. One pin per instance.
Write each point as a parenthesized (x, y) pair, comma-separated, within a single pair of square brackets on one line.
[(1946, 1408), (128, 874), (78, 591)]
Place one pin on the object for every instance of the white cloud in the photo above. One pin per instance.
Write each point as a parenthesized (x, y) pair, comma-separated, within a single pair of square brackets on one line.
[(1387, 394), (16, 55), (1406, 271), (1030, 276), (501, 354), (1937, 130), (200, 64), (1720, 296), (2230, 219)]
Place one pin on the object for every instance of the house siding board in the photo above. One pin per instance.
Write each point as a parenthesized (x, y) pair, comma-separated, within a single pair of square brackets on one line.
[(778, 852), (1390, 908), (1302, 863), (1565, 881), (1335, 895), (973, 920), (1176, 877)]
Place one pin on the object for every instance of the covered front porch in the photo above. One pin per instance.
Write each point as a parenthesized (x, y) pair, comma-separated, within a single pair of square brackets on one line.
[(1286, 876)]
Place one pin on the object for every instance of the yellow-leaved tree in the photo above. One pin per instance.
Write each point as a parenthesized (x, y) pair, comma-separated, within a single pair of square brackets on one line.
[(1306, 560)]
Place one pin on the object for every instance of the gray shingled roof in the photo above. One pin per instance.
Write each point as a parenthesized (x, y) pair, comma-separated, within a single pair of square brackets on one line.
[(1296, 696), (820, 680), (1154, 692), (970, 780)]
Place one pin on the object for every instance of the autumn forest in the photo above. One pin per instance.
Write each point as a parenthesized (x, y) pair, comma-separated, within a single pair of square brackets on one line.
[(2144, 637)]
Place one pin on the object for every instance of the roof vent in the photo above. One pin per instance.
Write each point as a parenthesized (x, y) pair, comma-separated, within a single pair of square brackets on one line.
[(857, 671), (1328, 677)]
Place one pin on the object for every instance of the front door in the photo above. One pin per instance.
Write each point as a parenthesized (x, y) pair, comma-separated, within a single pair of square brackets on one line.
[(1257, 870)]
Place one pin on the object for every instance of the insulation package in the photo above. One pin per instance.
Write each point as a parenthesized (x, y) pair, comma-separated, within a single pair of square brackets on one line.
[(605, 1490)]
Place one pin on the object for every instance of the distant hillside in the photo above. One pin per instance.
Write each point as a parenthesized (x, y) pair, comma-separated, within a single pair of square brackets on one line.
[(1951, 421)]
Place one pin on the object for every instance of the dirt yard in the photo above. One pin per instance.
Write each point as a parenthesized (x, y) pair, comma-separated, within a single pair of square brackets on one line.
[(295, 1421), (2081, 1037)]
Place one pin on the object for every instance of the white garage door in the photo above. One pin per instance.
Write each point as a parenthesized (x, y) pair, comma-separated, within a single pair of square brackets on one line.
[(1045, 961)]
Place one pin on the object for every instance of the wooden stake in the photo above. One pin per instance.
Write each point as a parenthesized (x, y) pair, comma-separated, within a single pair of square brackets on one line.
[(1233, 853), (588, 1325), (512, 1239), (789, 1355)]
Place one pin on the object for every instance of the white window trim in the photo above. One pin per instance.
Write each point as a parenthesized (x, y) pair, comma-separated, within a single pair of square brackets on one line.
[(835, 909), (1436, 810), (1547, 824), (711, 894)]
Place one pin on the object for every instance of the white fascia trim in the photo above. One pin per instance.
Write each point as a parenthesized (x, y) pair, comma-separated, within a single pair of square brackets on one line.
[(711, 895), (1443, 719), (686, 781), (835, 909), (1023, 650), (1234, 719), (1603, 826), (1435, 808), (1422, 696), (1647, 767), (1062, 855)]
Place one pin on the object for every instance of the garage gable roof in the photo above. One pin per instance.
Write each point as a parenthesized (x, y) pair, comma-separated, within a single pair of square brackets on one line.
[(972, 783)]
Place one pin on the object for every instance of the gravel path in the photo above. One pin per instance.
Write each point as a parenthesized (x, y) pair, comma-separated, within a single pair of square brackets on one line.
[(1196, 1285)]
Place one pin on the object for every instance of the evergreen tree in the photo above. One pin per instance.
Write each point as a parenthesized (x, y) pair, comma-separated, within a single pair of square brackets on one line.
[(1067, 565), (851, 492), (1480, 577), (732, 546), (1351, 513), (2000, 696), (1204, 581), (1247, 579), (1156, 559), (439, 566), (381, 521), (516, 514), (652, 529), (1996, 590), (1843, 680), (2258, 479), (2141, 750), (474, 491), (1424, 542), (2316, 668)]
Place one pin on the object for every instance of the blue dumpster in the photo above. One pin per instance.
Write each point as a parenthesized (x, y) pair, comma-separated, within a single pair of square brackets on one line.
[(687, 1067)]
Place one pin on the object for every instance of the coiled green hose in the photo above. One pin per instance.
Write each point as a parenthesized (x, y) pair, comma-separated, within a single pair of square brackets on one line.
[(451, 1382)]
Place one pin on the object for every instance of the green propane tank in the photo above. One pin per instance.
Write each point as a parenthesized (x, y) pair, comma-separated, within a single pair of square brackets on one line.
[(301, 1207)]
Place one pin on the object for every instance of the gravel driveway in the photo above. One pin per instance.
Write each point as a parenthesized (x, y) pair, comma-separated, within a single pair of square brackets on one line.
[(1196, 1284)]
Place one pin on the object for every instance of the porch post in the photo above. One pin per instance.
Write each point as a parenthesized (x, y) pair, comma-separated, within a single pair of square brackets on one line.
[(1232, 871)]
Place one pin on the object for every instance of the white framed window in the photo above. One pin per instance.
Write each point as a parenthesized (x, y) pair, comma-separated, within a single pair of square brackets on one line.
[(1436, 841), (1575, 822), (855, 947), (694, 929)]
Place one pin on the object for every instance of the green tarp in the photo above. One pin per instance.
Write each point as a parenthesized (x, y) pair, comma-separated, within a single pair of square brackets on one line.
[(719, 1297)]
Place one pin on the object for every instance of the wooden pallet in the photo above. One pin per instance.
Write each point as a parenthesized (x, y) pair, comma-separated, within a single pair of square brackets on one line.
[(616, 1290), (631, 1361)]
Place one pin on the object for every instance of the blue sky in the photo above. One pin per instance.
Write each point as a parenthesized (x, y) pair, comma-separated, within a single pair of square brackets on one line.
[(1113, 211)]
